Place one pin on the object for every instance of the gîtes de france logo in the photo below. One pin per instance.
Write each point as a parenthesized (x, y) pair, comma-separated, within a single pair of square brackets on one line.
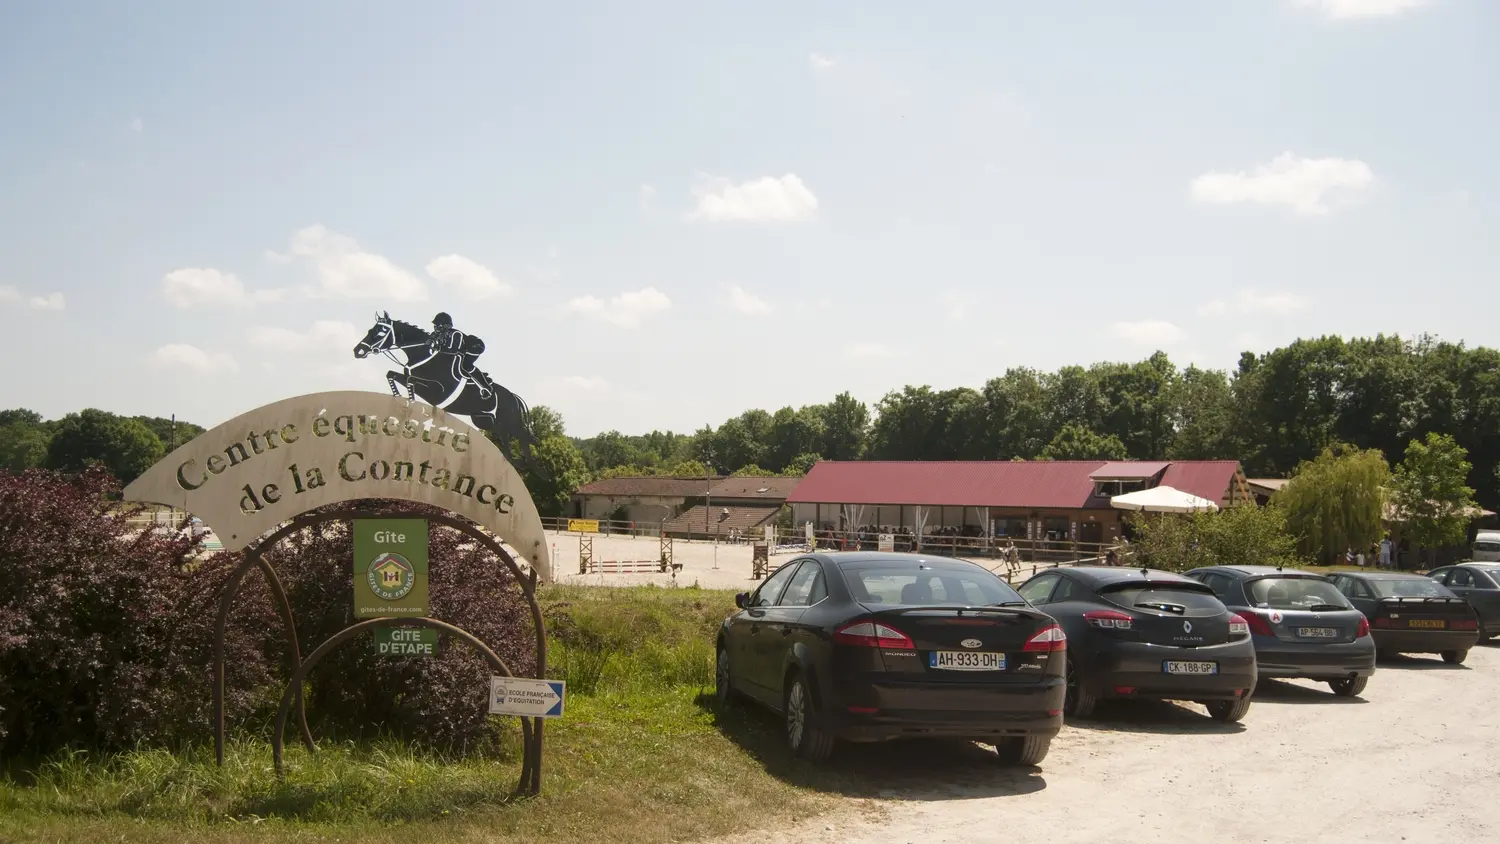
[(391, 576)]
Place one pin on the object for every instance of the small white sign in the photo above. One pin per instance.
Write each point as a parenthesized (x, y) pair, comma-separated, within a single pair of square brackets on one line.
[(527, 697), (771, 535), (888, 542), (808, 528)]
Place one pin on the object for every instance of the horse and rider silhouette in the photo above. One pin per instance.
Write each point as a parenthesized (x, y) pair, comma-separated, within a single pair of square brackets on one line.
[(438, 367)]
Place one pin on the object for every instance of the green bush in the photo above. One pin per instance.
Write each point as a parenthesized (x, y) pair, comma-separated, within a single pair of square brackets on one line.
[(106, 632)]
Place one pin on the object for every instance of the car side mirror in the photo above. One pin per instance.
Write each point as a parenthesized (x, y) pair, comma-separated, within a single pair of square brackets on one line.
[(742, 599)]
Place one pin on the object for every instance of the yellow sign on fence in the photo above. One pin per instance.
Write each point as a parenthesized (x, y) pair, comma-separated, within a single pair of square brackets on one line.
[(583, 525)]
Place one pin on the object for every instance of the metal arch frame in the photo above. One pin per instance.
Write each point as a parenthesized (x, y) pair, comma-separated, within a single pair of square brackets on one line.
[(531, 728), (531, 779)]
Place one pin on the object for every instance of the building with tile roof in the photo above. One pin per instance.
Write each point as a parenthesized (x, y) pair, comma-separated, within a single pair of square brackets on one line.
[(1065, 500)]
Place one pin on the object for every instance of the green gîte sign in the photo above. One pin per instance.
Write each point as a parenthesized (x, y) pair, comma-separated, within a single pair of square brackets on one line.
[(390, 568), (405, 641)]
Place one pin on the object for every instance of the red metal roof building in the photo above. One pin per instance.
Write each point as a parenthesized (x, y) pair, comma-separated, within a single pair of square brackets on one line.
[(1062, 498)]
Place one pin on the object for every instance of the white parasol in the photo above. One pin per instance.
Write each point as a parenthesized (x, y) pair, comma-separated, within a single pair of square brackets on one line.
[(1162, 499)]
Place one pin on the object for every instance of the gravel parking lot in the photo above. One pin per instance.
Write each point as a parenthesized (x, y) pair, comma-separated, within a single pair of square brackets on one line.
[(1417, 759)]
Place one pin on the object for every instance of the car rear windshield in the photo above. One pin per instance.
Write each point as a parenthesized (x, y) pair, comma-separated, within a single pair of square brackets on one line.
[(1486, 546), (1143, 595), (1294, 593), (918, 585), (1416, 587)]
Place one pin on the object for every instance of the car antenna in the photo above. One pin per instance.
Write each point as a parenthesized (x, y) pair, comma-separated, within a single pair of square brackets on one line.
[(1145, 571)]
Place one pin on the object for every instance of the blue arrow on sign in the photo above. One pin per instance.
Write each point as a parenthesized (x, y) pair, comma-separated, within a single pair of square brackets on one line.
[(557, 689)]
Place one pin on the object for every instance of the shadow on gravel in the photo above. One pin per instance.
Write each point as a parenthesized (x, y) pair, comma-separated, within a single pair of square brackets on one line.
[(1418, 662), (1273, 691), (1162, 717), (925, 770)]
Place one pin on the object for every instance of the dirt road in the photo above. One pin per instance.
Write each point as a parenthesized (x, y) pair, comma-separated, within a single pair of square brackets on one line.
[(1418, 759)]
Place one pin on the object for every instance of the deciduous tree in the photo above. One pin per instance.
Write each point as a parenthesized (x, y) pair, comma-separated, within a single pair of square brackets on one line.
[(124, 446), (1430, 491)]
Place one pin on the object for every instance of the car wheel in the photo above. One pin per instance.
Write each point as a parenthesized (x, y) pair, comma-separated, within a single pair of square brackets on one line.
[(1228, 711), (1023, 750), (1080, 701), (1455, 657), (1349, 686), (723, 689), (803, 736)]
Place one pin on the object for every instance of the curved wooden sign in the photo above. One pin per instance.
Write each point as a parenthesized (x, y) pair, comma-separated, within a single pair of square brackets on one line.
[(256, 471)]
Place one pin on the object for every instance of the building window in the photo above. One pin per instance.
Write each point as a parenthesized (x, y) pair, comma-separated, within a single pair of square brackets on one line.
[(1109, 489)]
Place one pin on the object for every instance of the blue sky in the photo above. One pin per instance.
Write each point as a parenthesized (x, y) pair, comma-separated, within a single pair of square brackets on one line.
[(658, 214)]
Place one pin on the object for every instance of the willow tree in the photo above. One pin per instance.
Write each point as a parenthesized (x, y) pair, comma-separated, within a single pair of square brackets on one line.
[(1337, 501)]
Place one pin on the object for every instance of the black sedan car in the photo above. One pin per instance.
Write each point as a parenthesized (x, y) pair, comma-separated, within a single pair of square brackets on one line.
[(1302, 626), (1142, 633), (1479, 584), (865, 647), (1411, 613)]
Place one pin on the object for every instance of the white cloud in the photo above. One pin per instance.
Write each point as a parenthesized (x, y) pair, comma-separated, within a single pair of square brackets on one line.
[(470, 279), (627, 310), (1301, 183), (191, 287), (747, 303), (137, 124), (768, 199), (345, 271), (646, 197), (868, 352), (1352, 9), (819, 62), (1250, 302), (588, 383), (956, 305), (181, 355), (50, 302), (1147, 332), (325, 336)]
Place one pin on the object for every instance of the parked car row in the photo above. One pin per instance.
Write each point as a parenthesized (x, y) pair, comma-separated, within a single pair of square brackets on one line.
[(871, 646)]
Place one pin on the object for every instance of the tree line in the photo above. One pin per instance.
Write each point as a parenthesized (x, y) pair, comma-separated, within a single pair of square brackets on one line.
[(1273, 412)]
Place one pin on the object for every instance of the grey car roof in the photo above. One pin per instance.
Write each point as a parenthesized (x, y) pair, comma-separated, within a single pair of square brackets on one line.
[(1257, 571), (1383, 575), (1104, 575), (839, 557)]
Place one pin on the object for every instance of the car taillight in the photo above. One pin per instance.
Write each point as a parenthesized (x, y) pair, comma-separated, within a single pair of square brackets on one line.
[(870, 634), (1238, 626), (1465, 625), (1382, 622), (1255, 622), (1109, 619), (1051, 638), (1364, 628)]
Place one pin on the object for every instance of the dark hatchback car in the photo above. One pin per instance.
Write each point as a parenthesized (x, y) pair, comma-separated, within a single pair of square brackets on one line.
[(1479, 584), (1301, 624), (1411, 613), (1142, 633), (866, 647)]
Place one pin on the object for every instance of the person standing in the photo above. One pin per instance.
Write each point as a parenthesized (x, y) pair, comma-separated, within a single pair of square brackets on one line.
[(1385, 552)]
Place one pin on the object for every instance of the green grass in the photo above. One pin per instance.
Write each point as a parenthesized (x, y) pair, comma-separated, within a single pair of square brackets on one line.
[(640, 757)]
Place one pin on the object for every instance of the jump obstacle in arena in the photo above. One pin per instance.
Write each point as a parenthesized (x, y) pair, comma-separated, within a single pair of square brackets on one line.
[(664, 564)]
